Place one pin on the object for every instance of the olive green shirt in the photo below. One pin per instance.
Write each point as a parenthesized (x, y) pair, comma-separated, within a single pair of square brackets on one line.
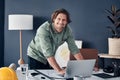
[(47, 40)]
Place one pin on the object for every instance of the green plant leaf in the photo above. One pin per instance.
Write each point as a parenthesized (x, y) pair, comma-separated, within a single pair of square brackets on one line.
[(111, 29), (111, 18), (108, 11), (114, 10), (118, 13), (117, 24)]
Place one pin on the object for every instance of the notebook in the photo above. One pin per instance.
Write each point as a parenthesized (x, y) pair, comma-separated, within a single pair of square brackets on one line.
[(81, 68)]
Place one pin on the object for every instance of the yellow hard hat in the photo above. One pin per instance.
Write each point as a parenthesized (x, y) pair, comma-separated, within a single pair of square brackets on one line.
[(7, 73)]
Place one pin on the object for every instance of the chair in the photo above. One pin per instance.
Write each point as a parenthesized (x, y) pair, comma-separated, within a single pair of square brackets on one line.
[(88, 54)]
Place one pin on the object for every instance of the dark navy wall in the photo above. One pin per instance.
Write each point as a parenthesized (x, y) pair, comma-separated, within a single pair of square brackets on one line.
[(1, 33), (89, 22)]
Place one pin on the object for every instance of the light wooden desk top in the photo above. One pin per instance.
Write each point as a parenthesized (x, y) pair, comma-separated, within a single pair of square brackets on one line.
[(109, 56)]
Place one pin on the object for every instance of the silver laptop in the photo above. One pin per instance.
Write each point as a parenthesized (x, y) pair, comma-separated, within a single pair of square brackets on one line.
[(81, 68)]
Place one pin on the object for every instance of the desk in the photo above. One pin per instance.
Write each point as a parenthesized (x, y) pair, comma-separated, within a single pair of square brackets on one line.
[(52, 73), (103, 55), (115, 62)]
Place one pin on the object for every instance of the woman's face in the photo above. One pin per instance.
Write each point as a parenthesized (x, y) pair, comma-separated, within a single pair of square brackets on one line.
[(60, 22)]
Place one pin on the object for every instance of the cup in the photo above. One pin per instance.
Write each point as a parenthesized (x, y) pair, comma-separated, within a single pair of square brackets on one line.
[(24, 69)]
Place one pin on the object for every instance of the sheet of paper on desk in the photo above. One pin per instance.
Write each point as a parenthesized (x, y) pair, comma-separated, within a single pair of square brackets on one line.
[(51, 73)]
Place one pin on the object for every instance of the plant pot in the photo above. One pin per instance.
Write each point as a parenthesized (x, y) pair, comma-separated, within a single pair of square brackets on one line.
[(114, 46)]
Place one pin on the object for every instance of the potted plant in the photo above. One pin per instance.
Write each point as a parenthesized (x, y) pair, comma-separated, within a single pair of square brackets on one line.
[(114, 41)]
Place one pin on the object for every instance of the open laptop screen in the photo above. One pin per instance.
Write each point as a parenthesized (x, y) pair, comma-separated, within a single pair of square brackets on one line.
[(82, 68)]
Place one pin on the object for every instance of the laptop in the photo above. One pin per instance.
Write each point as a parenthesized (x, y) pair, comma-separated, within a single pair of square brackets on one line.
[(81, 68)]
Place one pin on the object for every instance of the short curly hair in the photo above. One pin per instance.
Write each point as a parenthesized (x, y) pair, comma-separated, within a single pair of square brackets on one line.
[(58, 11)]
